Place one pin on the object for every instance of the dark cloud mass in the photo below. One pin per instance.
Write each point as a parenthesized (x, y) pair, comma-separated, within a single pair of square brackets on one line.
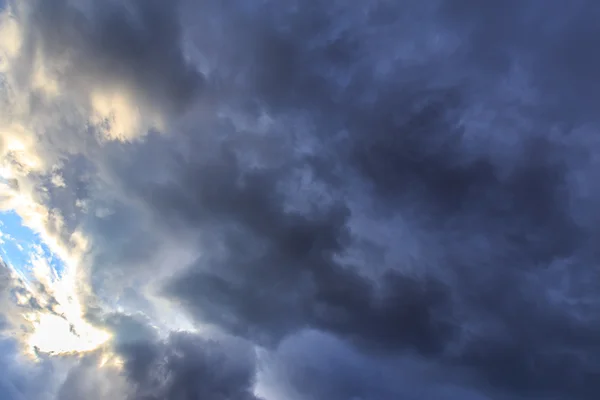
[(186, 367), (181, 366), (382, 200), (135, 45)]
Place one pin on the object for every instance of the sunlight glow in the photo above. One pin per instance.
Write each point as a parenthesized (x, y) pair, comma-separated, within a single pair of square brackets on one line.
[(125, 119), (56, 335), (56, 318)]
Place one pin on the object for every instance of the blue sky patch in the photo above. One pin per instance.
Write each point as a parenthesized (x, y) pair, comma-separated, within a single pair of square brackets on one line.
[(18, 242)]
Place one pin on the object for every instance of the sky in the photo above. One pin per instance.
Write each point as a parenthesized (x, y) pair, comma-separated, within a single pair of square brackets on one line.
[(299, 200), (19, 243)]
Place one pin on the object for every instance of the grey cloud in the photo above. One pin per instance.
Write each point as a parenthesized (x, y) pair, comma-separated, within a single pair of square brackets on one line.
[(22, 380), (313, 365), (136, 44), (181, 366), (86, 380), (3, 322), (186, 366), (274, 253), (473, 123), (12, 386), (294, 264), (502, 224), (10, 310), (37, 296), (128, 328), (553, 40)]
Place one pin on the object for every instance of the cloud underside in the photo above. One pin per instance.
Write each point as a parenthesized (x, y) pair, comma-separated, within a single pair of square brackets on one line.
[(310, 200)]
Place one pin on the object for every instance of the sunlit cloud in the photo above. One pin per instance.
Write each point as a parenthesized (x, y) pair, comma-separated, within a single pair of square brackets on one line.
[(57, 320), (54, 319), (119, 118), (10, 38), (57, 335)]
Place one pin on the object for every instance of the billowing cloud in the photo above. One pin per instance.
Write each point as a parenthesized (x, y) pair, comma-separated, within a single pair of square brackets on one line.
[(189, 367), (304, 200), (124, 56), (336, 371)]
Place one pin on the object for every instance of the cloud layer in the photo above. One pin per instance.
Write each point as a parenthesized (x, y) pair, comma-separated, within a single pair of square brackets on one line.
[(308, 200)]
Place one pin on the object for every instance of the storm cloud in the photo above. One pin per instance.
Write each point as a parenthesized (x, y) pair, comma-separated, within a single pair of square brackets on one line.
[(322, 200), (135, 44)]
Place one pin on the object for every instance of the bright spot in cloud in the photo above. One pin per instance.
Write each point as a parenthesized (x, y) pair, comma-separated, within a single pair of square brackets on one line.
[(58, 327), (121, 117), (56, 335)]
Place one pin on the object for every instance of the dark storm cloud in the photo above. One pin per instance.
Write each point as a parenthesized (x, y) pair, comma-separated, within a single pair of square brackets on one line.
[(12, 385), (135, 44), (509, 298), (337, 371), (275, 272), (188, 367), (464, 120), (182, 366), (554, 40), (270, 252)]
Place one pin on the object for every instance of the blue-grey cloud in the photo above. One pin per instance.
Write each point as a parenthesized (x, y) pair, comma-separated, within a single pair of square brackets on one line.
[(413, 184), (189, 367), (136, 44), (337, 371)]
